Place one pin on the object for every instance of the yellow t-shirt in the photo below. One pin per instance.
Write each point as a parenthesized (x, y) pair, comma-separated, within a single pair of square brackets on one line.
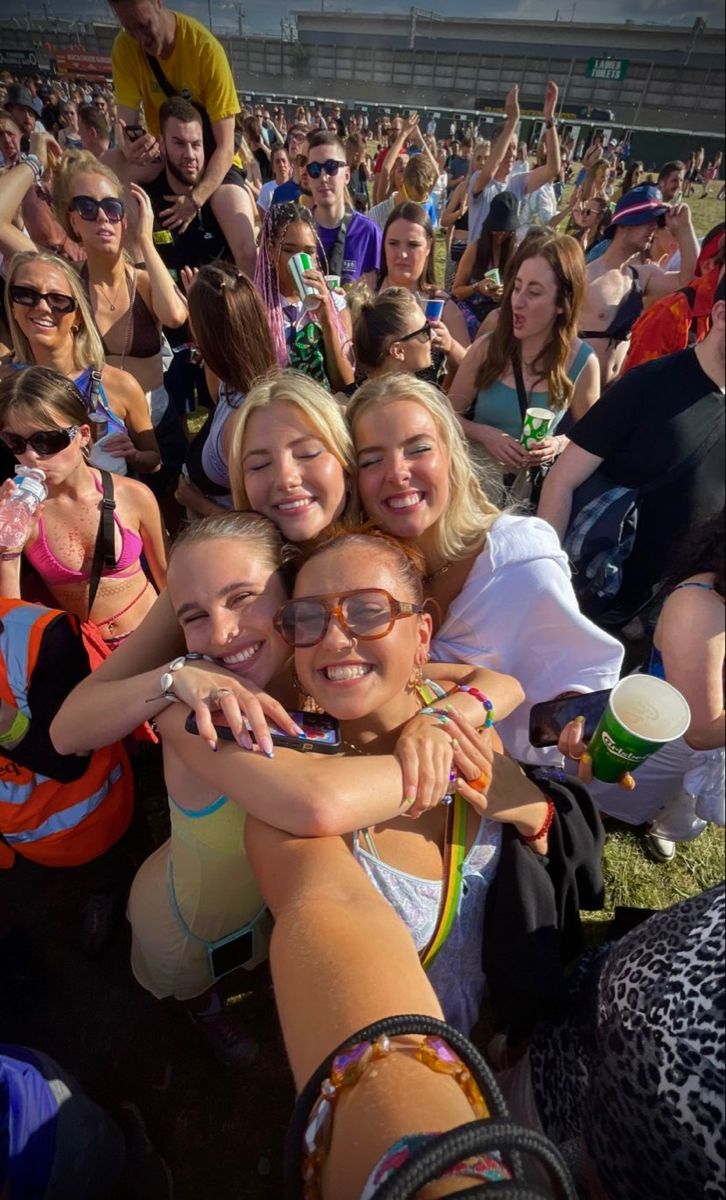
[(197, 65)]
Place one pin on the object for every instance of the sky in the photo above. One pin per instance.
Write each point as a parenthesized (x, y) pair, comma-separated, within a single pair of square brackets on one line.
[(264, 16)]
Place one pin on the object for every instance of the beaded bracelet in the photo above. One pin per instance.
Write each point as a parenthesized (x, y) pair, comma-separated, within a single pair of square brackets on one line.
[(488, 706), (546, 826), (17, 730), (348, 1067)]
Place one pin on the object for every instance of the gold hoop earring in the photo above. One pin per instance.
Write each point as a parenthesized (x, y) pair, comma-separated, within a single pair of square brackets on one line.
[(75, 329)]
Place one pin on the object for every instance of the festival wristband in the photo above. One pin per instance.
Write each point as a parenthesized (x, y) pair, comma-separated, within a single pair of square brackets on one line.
[(17, 730)]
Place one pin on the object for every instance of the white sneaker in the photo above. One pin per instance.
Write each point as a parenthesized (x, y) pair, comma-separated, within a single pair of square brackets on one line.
[(659, 848)]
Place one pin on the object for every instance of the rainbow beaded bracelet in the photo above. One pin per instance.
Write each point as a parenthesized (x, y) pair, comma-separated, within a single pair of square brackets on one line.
[(488, 706)]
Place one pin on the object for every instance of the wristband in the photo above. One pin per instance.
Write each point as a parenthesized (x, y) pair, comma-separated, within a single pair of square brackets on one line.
[(36, 166), (546, 826), (8, 555), (488, 706), (17, 730)]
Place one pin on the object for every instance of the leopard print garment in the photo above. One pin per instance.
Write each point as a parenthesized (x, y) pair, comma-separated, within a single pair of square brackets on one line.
[(637, 1068)]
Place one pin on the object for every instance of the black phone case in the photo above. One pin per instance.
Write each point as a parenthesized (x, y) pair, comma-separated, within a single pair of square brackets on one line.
[(278, 737)]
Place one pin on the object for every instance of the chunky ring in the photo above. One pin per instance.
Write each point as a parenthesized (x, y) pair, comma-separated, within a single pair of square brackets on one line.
[(214, 696), (453, 776), (480, 784)]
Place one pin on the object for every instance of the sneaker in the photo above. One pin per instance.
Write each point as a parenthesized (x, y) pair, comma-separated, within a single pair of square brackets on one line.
[(230, 1046), (659, 848)]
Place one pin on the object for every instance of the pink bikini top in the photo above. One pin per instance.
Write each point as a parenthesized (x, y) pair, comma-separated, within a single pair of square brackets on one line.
[(55, 573)]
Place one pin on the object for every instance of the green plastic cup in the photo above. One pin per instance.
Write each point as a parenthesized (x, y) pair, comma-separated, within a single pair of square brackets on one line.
[(537, 424), (642, 714)]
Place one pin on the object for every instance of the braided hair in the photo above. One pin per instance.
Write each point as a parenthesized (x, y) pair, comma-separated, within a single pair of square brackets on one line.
[(277, 220)]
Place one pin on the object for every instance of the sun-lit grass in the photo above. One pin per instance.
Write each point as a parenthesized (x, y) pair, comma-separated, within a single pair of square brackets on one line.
[(632, 880)]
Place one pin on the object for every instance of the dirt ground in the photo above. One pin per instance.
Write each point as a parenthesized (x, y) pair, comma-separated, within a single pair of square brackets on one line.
[(221, 1131)]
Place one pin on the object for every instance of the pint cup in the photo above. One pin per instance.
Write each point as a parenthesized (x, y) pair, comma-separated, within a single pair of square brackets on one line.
[(642, 714), (537, 423), (494, 276), (298, 265), (333, 282), (433, 309)]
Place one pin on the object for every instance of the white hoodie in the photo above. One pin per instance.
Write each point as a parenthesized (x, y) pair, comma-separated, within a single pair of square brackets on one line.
[(517, 613)]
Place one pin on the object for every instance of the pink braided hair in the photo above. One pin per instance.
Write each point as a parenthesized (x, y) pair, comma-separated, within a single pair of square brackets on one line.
[(274, 227)]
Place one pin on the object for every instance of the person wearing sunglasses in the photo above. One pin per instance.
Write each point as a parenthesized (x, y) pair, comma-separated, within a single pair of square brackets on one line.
[(228, 593), (391, 335), (129, 306), (407, 261), (44, 423), (351, 241), (51, 326)]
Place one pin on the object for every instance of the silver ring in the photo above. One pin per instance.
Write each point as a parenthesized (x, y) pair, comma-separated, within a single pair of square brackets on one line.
[(214, 696)]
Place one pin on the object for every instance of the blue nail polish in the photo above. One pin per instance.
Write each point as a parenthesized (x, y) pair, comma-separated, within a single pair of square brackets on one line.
[(269, 753)]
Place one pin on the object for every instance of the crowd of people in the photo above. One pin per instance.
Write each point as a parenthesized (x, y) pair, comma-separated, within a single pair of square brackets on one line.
[(358, 551)]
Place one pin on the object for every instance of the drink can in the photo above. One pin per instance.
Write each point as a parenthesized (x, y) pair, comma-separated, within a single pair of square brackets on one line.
[(98, 422), (298, 265)]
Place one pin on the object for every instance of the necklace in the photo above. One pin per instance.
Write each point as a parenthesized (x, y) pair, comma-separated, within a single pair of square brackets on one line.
[(112, 303), (438, 571)]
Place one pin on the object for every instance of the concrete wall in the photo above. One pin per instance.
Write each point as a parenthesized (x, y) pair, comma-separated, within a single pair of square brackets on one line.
[(655, 94)]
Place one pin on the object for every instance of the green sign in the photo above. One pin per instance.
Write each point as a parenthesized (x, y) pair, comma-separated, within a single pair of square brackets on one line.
[(607, 68)]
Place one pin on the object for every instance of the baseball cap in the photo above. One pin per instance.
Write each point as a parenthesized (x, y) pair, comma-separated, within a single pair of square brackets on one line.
[(17, 94), (503, 215)]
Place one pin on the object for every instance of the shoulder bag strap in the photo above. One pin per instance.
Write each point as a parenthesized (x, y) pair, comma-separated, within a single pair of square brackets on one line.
[(336, 256), (454, 854), (104, 554), (160, 77), (521, 390)]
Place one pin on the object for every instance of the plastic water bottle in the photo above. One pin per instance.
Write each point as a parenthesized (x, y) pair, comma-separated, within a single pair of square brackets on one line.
[(18, 509)]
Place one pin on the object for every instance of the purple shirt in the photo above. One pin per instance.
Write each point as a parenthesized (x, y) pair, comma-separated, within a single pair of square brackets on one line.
[(362, 250)]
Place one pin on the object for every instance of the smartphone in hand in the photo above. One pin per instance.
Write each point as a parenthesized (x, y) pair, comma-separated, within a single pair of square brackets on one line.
[(548, 719), (321, 732)]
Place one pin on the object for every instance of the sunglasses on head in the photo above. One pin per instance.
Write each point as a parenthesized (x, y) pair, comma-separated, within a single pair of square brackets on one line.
[(365, 614), (425, 333), (87, 208), (29, 297), (44, 442), (331, 166)]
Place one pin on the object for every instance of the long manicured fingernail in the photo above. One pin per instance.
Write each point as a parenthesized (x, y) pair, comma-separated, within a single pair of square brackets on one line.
[(586, 759), (300, 732), (212, 745), (266, 746), (580, 720), (244, 741)]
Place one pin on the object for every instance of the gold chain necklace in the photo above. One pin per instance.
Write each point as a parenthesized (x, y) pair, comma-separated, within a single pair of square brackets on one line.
[(439, 571)]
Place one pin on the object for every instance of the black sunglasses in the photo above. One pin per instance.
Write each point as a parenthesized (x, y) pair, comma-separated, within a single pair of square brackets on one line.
[(44, 442), (331, 166), (87, 208), (425, 333), (29, 297)]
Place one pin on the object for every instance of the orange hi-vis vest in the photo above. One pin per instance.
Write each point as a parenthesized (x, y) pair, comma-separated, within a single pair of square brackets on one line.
[(56, 824)]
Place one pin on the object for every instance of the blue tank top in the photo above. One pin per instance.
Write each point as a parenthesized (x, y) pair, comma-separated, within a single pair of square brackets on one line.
[(498, 405)]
